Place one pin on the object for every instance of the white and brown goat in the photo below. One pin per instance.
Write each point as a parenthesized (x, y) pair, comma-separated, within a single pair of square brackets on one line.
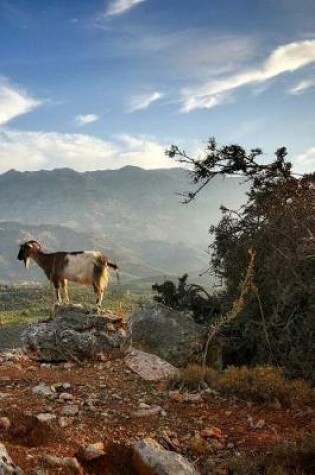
[(84, 267)]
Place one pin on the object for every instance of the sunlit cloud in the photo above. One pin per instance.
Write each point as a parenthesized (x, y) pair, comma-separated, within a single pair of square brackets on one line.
[(14, 101), (143, 101), (302, 86), (286, 58), (118, 7), (305, 163), (84, 119), (47, 150)]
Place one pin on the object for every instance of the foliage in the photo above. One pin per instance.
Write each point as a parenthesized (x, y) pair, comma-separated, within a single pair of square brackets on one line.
[(278, 221), (19, 304), (193, 378), (296, 458), (263, 384), (188, 297)]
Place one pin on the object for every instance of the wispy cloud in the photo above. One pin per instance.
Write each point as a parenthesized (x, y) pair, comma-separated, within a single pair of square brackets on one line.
[(143, 101), (305, 162), (118, 7), (302, 86), (46, 150), (84, 119), (14, 101), (286, 58)]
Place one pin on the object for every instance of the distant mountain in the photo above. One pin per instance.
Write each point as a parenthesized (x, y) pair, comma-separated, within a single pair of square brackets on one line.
[(133, 214)]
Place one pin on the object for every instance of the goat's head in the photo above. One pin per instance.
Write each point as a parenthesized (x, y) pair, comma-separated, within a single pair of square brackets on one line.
[(27, 249)]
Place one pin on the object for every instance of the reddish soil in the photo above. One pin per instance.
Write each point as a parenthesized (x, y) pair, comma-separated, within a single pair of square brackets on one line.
[(116, 393)]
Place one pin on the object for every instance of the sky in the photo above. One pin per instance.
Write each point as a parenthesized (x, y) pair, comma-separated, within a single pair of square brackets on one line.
[(101, 84)]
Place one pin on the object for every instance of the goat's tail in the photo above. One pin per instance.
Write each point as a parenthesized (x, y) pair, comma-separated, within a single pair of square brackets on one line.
[(116, 269)]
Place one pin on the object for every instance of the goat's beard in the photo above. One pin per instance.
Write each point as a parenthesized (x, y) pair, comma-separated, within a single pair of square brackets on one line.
[(27, 262)]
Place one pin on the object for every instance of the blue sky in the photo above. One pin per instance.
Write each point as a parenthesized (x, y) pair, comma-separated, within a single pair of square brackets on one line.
[(103, 84)]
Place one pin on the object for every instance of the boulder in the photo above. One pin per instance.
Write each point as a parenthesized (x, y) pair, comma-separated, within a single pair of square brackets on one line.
[(7, 467), (150, 458), (150, 367), (167, 333), (74, 334)]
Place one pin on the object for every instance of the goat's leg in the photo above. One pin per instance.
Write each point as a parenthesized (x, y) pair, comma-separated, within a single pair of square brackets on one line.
[(98, 293), (58, 292), (64, 285)]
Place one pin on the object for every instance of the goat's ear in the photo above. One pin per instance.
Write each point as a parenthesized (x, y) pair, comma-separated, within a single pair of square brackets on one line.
[(27, 244)]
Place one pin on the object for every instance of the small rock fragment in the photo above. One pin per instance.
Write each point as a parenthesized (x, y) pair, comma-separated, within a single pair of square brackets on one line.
[(70, 411), (5, 423)]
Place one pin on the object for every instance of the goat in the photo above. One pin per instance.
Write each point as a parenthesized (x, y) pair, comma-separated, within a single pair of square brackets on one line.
[(84, 267)]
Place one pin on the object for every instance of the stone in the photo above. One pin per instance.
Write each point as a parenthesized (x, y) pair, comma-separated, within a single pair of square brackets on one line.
[(212, 431), (70, 411), (5, 423), (148, 411), (43, 390), (69, 463), (75, 334), (90, 452), (150, 367), (150, 458), (7, 467), (167, 333), (66, 396), (46, 417)]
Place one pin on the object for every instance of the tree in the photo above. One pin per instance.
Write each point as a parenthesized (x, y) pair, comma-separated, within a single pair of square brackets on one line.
[(278, 222)]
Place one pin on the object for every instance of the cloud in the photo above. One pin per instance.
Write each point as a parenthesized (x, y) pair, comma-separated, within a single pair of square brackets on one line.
[(143, 101), (286, 58), (118, 7), (83, 119), (302, 86), (47, 150), (14, 101), (305, 163)]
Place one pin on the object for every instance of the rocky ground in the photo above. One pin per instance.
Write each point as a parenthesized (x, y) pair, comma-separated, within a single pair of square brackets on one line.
[(49, 411)]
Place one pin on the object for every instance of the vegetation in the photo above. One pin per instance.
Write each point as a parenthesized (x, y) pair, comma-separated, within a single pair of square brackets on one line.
[(261, 385), (296, 458), (188, 297), (278, 222), (20, 304)]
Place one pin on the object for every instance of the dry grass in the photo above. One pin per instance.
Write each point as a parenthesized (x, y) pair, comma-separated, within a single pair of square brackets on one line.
[(263, 384), (193, 378), (286, 459)]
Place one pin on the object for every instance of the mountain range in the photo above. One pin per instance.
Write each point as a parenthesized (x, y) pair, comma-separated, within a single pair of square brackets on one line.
[(136, 216)]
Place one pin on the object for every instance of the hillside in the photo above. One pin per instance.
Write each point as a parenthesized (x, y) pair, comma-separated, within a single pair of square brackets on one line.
[(135, 215)]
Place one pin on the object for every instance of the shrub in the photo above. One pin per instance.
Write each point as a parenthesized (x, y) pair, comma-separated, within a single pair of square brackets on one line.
[(296, 458), (263, 384), (193, 378)]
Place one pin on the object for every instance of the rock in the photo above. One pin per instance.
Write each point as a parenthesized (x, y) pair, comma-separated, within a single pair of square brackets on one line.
[(5, 423), (212, 431), (89, 452), (260, 424), (69, 463), (70, 411), (46, 417), (43, 390), (148, 411), (167, 333), (150, 458), (64, 422), (66, 396), (149, 367), (75, 334), (7, 467)]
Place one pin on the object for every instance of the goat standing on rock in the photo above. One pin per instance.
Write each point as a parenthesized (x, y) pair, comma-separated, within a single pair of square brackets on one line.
[(83, 267)]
